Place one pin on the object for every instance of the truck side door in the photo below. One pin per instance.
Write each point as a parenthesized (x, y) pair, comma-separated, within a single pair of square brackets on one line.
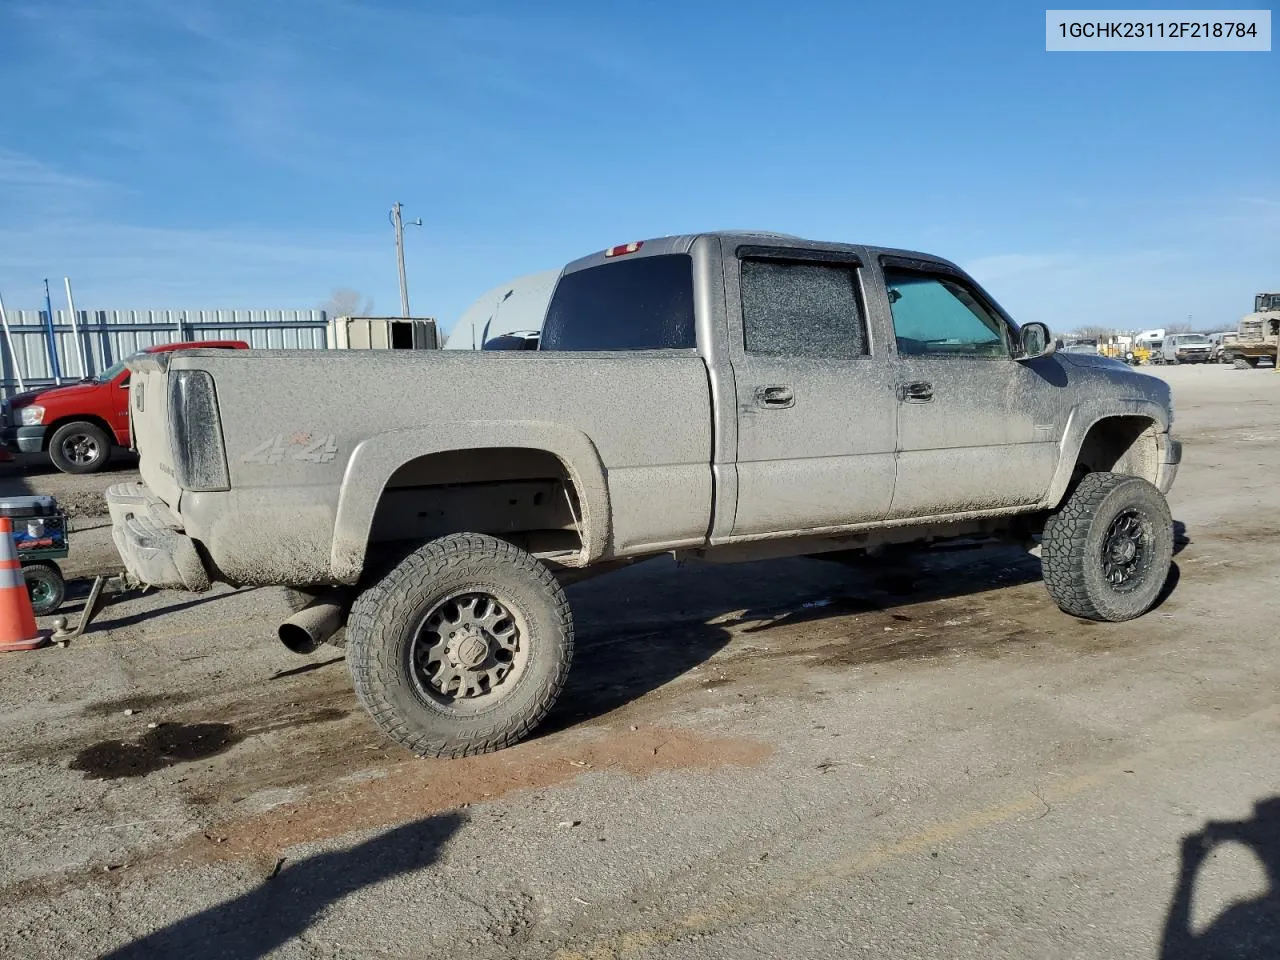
[(816, 414), (977, 430)]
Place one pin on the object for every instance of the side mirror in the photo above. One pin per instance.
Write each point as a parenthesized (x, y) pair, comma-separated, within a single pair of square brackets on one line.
[(1036, 341)]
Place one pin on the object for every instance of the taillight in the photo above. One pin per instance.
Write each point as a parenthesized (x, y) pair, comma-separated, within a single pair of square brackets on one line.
[(623, 249), (199, 457)]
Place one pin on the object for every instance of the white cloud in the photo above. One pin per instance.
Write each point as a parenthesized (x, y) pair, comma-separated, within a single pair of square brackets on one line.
[(25, 172), (121, 266)]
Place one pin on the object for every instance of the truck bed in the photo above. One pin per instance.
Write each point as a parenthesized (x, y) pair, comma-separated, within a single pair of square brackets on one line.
[(294, 423)]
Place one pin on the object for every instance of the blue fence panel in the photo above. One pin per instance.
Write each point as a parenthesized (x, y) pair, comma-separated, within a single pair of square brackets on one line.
[(106, 336)]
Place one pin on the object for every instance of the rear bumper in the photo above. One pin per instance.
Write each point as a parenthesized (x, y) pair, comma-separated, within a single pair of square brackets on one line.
[(151, 541), (1169, 462), (24, 439)]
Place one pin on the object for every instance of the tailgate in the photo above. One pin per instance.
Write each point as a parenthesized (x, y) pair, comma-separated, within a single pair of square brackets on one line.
[(149, 421)]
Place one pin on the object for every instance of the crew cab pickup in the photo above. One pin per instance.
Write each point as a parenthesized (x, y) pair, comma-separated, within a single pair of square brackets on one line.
[(723, 396), (78, 424)]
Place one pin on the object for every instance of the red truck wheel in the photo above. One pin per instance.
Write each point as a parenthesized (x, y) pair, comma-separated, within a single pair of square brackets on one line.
[(80, 447)]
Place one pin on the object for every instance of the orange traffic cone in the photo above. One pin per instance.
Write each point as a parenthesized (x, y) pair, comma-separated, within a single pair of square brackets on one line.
[(17, 620)]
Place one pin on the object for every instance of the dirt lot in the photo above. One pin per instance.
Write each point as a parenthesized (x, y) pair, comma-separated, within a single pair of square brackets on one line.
[(787, 759)]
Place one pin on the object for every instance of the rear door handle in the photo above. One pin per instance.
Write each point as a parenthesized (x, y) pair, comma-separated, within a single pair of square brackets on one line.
[(917, 392), (775, 397)]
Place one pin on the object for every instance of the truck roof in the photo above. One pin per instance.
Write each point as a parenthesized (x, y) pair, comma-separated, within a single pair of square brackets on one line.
[(683, 243), (197, 345)]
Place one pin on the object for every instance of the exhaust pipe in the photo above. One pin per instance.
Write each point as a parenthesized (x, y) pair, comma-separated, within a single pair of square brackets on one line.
[(311, 626)]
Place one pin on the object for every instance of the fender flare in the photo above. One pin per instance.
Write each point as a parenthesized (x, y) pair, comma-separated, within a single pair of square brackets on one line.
[(374, 461), (1082, 419)]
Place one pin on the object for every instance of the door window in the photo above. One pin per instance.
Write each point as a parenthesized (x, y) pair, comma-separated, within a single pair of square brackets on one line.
[(940, 316), (801, 309)]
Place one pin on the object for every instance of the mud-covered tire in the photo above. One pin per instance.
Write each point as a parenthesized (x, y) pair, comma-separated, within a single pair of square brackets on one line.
[(383, 635), (1073, 549), (45, 587)]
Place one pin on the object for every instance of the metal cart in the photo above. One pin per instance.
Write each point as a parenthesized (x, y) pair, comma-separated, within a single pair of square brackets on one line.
[(40, 536)]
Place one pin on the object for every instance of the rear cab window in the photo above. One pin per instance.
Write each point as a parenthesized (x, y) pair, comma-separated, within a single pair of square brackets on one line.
[(645, 303)]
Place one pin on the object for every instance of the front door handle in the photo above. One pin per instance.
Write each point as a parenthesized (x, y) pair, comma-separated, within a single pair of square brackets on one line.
[(917, 392), (775, 397)]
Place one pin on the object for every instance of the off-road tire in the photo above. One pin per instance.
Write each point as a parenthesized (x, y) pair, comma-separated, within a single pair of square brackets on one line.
[(384, 620), (45, 586), (91, 432), (298, 600), (1071, 549)]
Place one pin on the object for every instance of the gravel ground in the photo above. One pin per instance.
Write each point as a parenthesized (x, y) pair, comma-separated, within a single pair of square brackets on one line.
[(80, 496), (787, 759)]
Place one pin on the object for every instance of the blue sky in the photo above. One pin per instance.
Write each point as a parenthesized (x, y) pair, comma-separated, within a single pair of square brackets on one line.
[(233, 153)]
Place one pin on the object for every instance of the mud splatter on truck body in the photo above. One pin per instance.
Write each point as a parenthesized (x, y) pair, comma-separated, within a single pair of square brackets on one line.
[(724, 396)]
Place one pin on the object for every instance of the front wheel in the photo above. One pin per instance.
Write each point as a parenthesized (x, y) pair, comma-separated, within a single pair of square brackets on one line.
[(462, 648), (1106, 552), (80, 447)]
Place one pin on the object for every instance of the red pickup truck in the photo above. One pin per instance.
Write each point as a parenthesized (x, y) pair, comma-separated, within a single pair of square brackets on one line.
[(78, 424)]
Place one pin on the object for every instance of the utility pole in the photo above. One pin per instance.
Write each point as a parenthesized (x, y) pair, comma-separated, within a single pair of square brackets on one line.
[(53, 339), (398, 223)]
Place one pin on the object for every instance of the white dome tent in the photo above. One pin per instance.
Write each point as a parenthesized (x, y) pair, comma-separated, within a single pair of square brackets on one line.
[(516, 306)]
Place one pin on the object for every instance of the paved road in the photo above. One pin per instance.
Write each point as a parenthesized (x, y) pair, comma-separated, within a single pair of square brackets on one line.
[(792, 759)]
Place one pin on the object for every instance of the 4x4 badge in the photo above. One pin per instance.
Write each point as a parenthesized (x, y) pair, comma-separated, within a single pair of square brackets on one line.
[(297, 448)]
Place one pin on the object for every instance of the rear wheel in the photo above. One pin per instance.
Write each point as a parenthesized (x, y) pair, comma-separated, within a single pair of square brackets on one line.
[(1106, 552), (80, 447), (462, 648), (45, 587)]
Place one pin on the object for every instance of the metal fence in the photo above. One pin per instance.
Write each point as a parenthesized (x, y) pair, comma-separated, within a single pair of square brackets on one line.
[(101, 337)]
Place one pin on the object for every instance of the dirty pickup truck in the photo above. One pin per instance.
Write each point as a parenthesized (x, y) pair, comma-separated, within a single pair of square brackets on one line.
[(724, 396)]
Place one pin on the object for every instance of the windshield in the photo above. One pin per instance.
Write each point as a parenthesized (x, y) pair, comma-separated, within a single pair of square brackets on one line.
[(1192, 338), (113, 371)]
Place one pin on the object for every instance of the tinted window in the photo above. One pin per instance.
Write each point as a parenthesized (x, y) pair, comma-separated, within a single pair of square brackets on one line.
[(801, 309), (640, 304), (938, 315)]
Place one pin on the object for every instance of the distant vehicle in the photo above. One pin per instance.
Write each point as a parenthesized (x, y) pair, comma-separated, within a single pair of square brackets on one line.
[(79, 424), (1080, 345), (519, 340), (1258, 335), (1219, 344), (1183, 348)]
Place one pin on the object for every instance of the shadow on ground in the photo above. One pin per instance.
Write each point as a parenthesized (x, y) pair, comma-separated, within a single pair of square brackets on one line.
[(24, 465), (630, 641), (78, 593), (1246, 930), (288, 902)]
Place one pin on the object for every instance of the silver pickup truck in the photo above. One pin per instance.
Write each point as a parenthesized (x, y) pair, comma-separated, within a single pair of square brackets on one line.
[(724, 396)]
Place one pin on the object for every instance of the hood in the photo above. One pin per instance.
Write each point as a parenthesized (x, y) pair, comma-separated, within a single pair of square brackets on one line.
[(71, 390), (1093, 360)]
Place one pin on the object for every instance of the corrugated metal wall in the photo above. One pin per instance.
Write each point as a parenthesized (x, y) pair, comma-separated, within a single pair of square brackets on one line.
[(110, 335)]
